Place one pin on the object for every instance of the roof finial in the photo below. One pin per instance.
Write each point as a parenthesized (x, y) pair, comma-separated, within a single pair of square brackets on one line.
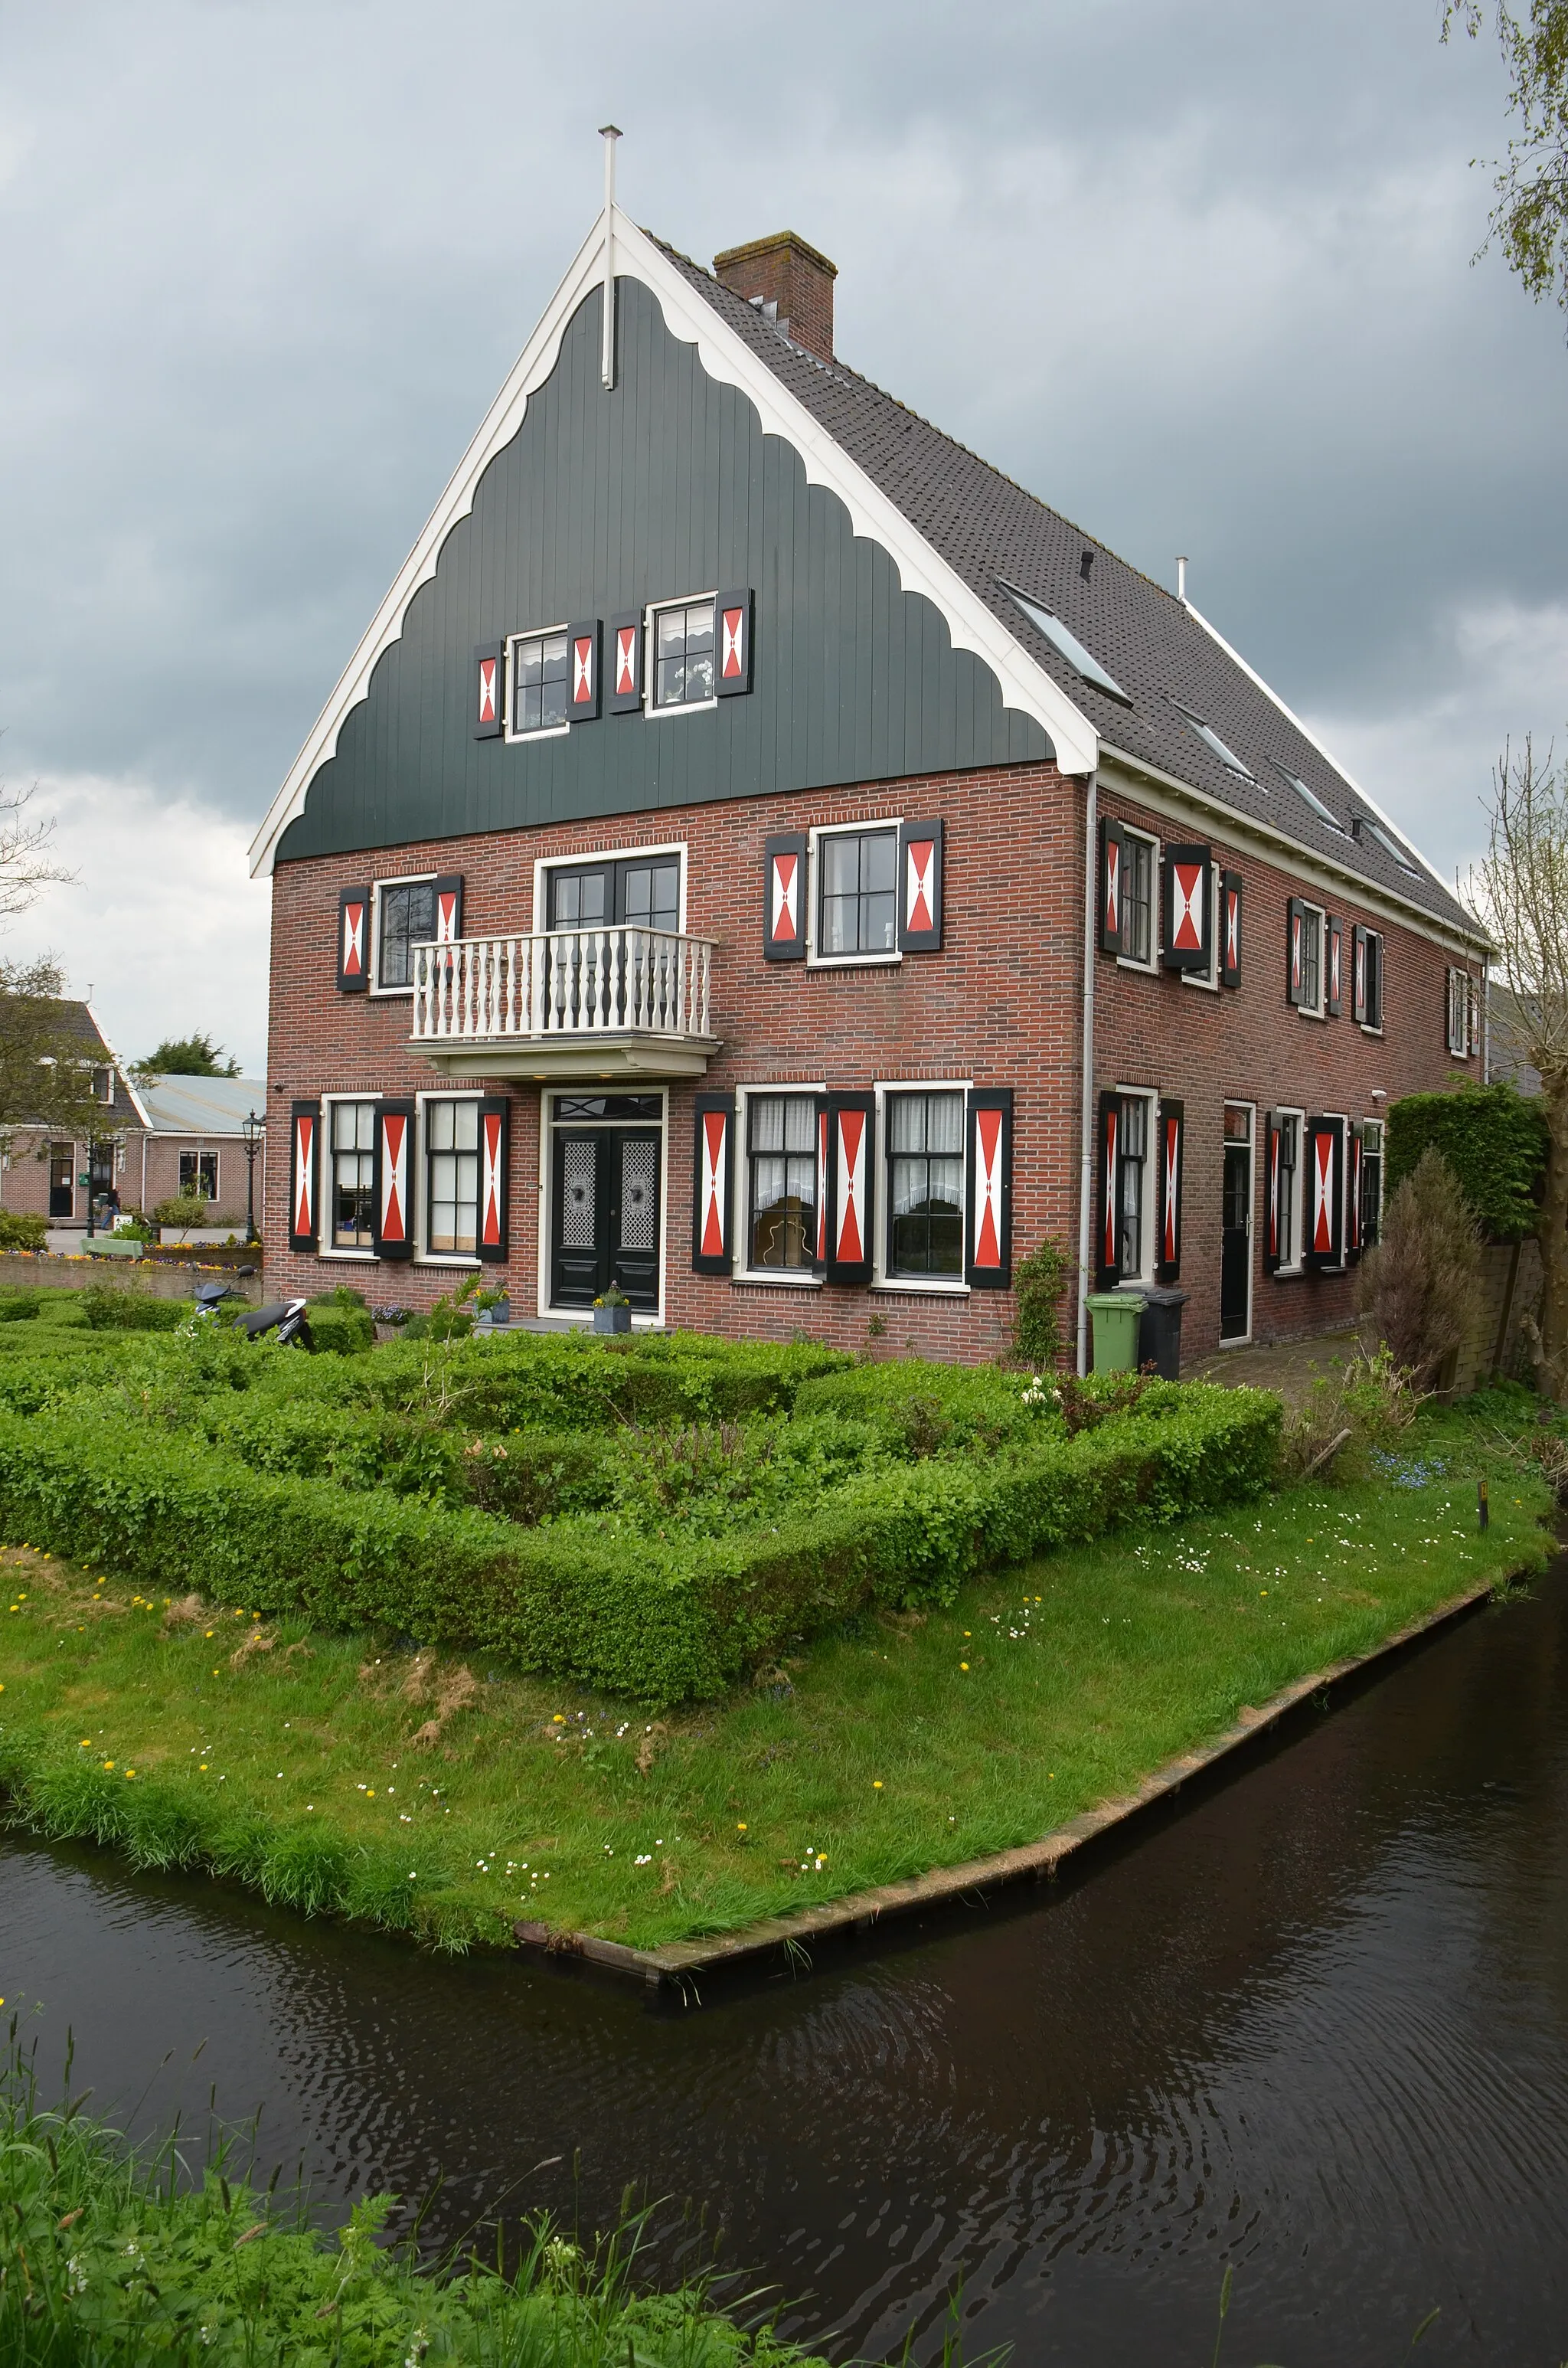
[(609, 133), (1181, 575)]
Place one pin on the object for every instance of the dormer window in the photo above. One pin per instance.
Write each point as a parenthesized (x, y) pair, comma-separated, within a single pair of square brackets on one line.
[(1067, 644), (1311, 798), (1213, 741)]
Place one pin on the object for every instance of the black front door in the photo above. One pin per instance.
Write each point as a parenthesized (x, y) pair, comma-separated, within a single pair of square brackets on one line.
[(62, 1179), (606, 1225), (1235, 1242)]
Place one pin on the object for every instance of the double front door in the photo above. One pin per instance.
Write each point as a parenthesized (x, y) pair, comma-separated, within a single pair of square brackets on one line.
[(605, 1195)]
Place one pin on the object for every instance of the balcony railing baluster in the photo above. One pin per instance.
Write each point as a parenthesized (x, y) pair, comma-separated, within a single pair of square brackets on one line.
[(561, 983)]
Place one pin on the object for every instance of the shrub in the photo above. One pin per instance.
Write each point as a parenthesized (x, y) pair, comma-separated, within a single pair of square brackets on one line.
[(105, 1309), (1038, 1284), (1418, 1290), (20, 1233), (346, 1330), (1492, 1137), (181, 1208), (1371, 1397)]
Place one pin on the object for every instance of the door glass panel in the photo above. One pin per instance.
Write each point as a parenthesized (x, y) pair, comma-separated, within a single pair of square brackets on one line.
[(638, 1176), (580, 1161)]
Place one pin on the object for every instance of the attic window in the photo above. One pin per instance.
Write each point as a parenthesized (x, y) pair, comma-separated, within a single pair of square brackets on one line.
[(1311, 798), (1363, 827), (1212, 740), (1067, 642)]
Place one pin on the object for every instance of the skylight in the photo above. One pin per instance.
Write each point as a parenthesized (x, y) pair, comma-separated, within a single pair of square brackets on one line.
[(1365, 828), (1212, 739), (1311, 798), (1062, 639)]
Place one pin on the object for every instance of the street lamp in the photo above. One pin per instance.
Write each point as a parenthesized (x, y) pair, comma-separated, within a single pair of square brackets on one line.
[(253, 1129)]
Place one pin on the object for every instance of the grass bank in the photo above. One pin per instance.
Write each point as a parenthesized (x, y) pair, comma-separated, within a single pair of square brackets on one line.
[(448, 1796)]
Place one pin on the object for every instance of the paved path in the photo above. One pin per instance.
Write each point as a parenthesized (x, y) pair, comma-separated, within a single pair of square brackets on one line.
[(1290, 1366)]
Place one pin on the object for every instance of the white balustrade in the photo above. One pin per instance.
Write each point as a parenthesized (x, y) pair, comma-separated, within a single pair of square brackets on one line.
[(563, 982)]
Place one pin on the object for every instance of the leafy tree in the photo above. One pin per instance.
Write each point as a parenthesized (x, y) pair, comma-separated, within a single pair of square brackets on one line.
[(46, 1062), (1494, 1139), (1529, 221), (186, 1057)]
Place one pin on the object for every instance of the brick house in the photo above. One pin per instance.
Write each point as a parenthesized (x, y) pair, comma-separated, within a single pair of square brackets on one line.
[(760, 857)]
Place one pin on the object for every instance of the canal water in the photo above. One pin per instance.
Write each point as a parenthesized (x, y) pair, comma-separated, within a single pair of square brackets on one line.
[(1313, 2024)]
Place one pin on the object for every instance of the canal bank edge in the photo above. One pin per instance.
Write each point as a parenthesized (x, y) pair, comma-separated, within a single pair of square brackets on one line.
[(859, 1914)]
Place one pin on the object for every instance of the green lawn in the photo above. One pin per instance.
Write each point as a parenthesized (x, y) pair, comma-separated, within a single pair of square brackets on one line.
[(450, 1797)]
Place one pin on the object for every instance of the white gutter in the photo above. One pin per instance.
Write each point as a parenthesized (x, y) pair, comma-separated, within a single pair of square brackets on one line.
[(1086, 1115)]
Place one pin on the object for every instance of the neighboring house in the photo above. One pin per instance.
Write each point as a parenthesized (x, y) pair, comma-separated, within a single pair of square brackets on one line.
[(694, 881), (150, 1140)]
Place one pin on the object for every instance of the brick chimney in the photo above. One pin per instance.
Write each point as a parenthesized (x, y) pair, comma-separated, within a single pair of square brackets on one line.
[(792, 283)]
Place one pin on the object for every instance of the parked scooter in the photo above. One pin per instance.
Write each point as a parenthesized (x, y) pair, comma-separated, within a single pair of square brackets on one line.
[(287, 1317)]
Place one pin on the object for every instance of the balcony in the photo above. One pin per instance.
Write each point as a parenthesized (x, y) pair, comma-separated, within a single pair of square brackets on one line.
[(565, 1003)]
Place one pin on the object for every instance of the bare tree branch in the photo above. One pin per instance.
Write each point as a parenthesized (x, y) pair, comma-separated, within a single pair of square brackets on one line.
[(27, 867)]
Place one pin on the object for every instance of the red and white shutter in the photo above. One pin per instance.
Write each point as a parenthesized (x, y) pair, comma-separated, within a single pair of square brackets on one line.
[(1326, 1191), (1230, 928), (988, 1189), (1273, 1250), (449, 908), (1296, 970), (1187, 930), (393, 1186), (495, 1147), (1358, 974), (1107, 1265), (1170, 1131), (354, 940), (1110, 887), (1334, 984), (920, 887), (851, 1124), (732, 644), (713, 1185), (303, 1171), (624, 690), (582, 671), (489, 680), (784, 897)]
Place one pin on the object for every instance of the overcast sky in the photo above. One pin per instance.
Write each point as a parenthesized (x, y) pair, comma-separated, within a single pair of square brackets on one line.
[(1199, 275)]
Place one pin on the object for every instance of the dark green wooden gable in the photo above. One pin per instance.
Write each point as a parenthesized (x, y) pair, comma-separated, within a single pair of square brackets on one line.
[(601, 501)]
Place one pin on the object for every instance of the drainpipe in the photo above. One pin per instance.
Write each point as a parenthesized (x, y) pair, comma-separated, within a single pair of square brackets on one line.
[(1086, 1116)]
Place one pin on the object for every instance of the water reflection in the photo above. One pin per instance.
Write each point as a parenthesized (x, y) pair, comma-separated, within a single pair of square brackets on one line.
[(1316, 2025)]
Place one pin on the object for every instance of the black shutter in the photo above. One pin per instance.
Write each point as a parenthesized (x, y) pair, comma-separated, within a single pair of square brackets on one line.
[(1374, 979), (1333, 982), (1187, 898), (1230, 928), (1107, 1266), (392, 1214), (354, 940), (920, 887), (494, 1158), (784, 897), (988, 1188), (1358, 974), (1172, 1131), (1273, 1249), (488, 690), (582, 671), (1324, 1187), (851, 1187), (713, 1185), (732, 644), (449, 908), (1296, 954), (624, 695), (1110, 931), (304, 1175)]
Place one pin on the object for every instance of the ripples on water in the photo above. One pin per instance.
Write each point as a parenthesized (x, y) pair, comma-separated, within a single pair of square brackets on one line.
[(1315, 2024)]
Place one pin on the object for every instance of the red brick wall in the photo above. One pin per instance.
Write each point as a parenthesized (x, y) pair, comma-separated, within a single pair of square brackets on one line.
[(1000, 1006)]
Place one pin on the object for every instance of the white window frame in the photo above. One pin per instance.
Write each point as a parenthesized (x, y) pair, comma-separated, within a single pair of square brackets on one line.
[(324, 1182), (814, 838), (203, 1151), (651, 657), (397, 880), (545, 865), (1318, 1011), (913, 1285), (1151, 1097), (1460, 988), (1368, 1027), (1130, 961), (546, 731), (1381, 1154), (1244, 1339), (767, 1277), (653, 1320), (422, 1253), (1295, 1264), (1209, 978)]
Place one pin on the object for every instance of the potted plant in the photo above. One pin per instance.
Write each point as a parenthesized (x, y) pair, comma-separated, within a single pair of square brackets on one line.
[(612, 1313)]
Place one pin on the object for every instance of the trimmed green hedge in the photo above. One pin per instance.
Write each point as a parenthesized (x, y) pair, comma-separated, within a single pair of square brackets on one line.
[(617, 1610), (1492, 1137)]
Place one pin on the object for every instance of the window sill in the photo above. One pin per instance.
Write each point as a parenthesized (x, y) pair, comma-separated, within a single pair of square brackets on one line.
[(1305, 1011), (545, 732), (682, 707), (1150, 969), (913, 1286), (1289, 1274), (853, 962), (1196, 978), (1367, 1031), (352, 1257), (443, 1257), (777, 1280), (382, 994)]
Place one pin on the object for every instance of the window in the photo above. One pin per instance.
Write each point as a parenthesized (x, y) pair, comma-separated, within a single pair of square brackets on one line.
[(1372, 1016), (1371, 1181), (198, 1175), (1066, 642), (406, 918), (782, 1182), (683, 654), (452, 1178), (538, 684), (642, 891), (103, 1085), (1131, 1196), (858, 903), (350, 1175), (924, 1154), (1459, 1014), (1312, 959), (1311, 798), (1138, 874), (1210, 975), (1213, 741), (1363, 827), (1289, 1208)]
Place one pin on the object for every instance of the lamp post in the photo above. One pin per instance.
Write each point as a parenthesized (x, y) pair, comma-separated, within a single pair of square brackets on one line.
[(253, 1129)]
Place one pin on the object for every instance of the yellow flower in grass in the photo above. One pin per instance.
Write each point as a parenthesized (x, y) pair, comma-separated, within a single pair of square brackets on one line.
[(964, 1665)]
